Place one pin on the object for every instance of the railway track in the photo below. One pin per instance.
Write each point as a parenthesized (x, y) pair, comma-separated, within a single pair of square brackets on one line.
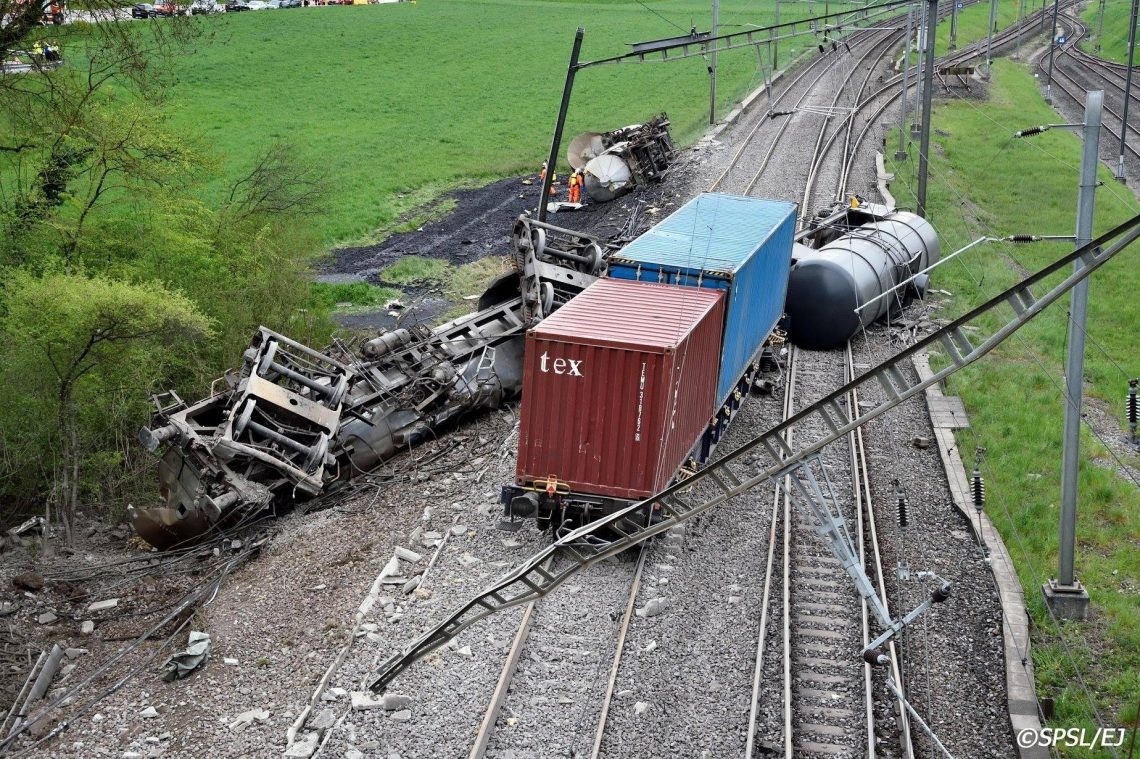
[(827, 694), (556, 674), (1076, 71)]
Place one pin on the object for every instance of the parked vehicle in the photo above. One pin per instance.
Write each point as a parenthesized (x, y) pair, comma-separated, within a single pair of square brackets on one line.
[(257, 5), (142, 10), (235, 6), (166, 9), (204, 7), (290, 4)]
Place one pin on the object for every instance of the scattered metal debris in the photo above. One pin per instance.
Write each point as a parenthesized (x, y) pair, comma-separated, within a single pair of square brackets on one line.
[(295, 421), (181, 664)]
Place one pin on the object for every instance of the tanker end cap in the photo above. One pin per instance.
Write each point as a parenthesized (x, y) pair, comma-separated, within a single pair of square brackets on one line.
[(941, 593), (152, 439)]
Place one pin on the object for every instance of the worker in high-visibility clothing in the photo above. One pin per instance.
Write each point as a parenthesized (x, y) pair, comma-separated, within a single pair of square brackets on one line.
[(574, 187), (553, 179)]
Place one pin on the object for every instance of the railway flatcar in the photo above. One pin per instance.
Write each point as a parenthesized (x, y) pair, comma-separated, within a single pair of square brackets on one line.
[(640, 375)]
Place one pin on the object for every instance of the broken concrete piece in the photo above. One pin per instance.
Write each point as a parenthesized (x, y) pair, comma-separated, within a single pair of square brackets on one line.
[(303, 747), (74, 653), (149, 713), (87, 627), (396, 701), (353, 754), (465, 652), (407, 555), (245, 719), (110, 603), (391, 568), (324, 720), (401, 716), (362, 702), (229, 662), (458, 530), (641, 707), (46, 618), (412, 584), (652, 608)]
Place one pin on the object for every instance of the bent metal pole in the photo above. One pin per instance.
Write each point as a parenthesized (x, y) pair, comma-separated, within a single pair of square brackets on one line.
[(552, 160)]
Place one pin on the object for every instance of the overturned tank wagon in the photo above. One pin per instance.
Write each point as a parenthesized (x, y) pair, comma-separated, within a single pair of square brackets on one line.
[(613, 163), (868, 264)]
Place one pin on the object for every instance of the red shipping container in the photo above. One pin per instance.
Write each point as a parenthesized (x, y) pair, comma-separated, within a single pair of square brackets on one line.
[(618, 385)]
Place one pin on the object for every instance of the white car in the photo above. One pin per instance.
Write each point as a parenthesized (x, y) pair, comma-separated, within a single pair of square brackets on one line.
[(258, 5)]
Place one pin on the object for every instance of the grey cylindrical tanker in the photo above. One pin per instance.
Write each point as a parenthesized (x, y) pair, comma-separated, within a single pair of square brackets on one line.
[(828, 284)]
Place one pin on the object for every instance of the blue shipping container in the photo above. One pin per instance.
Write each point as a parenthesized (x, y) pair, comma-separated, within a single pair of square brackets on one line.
[(724, 242)]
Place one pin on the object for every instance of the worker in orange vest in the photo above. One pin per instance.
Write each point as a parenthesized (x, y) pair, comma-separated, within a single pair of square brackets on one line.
[(574, 183), (553, 179)]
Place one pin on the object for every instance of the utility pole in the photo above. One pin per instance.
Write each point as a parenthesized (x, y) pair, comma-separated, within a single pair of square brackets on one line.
[(1127, 90), (990, 36), (954, 26), (712, 64), (1052, 47), (915, 125), (900, 154), (1017, 45), (1065, 595), (552, 159), (1099, 26), (927, 93), (776, 42)]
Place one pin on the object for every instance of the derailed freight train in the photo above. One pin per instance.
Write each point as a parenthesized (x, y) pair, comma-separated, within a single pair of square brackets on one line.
[(294, 422), (630, 386), (637, 378)]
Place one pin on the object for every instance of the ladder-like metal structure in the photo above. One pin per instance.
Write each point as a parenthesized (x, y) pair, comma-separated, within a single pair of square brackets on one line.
[(766, 457)]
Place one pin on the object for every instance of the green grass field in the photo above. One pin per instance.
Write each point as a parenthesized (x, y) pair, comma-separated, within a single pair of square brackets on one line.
[(401, 102), (1114, 41), (1014, 395)]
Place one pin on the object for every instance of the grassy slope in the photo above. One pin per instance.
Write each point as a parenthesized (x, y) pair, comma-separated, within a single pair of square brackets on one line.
[(1014, 396), (1117, 15), (398, 102)]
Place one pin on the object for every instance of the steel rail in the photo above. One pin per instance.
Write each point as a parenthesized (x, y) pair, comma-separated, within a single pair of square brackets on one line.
[(623, 630), (866, 505), (779, 496), (786, 580), (506, 677)]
